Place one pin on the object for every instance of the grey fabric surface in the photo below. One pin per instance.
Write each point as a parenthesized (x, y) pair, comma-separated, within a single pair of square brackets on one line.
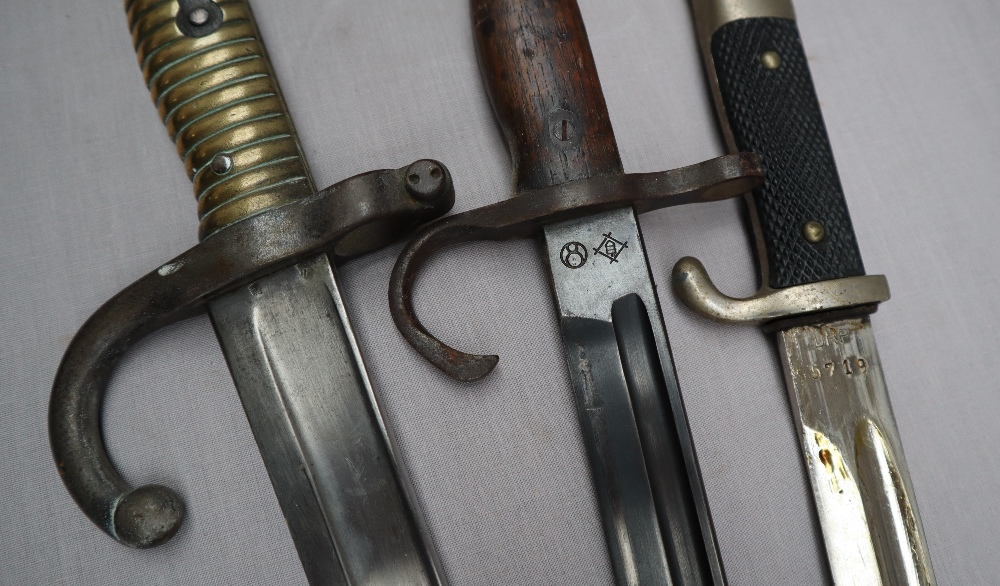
[(94, 196)]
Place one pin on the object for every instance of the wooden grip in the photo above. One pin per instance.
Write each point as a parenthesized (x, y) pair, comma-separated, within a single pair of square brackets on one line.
[(540, 75)]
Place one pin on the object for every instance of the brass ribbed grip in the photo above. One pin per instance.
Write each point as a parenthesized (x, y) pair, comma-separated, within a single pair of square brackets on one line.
[(220, 101)]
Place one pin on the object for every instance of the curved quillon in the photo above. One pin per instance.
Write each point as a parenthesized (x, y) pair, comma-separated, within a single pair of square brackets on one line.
[(338, 220), (696, 289), (527, 214)]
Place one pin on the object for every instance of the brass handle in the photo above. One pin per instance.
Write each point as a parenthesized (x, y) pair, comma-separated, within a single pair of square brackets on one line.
[(208, 72)]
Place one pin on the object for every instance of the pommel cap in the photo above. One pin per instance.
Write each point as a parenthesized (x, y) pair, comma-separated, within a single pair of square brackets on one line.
[(148, 516)]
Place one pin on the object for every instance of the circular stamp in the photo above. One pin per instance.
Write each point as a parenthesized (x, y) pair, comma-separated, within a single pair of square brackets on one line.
[(573, 255)]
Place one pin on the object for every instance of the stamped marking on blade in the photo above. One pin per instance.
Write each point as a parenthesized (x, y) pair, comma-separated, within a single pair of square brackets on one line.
[(853, 455), (573, 255), (610, 247)]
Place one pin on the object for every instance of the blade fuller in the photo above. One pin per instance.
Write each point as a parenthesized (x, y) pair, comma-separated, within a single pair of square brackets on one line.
[(645, 471), (661, 445), (854, 456), (301, 379)]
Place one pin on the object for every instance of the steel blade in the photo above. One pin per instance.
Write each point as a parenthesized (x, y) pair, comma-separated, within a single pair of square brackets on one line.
[(318, 425), (643, 463), (853, 455)]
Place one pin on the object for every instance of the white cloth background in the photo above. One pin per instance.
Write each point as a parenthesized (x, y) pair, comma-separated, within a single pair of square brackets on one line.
[(92, 196)]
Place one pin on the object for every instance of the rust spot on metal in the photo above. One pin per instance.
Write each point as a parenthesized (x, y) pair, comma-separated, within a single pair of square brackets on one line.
[(827, 459)]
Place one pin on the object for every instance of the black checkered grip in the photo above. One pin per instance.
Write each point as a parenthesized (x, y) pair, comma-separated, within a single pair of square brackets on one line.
[(775, 113)]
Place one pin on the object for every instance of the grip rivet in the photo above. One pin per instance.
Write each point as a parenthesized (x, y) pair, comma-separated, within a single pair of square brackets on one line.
[(221, 164), (198, 16), (564, 128), (813, 231), (770, 59)]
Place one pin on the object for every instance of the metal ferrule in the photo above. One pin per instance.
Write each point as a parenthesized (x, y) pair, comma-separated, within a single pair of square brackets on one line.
[(219, 99)]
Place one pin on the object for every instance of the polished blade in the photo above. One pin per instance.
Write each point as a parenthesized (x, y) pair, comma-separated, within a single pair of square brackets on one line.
[(854, 456), (632, 417), (318, 425)]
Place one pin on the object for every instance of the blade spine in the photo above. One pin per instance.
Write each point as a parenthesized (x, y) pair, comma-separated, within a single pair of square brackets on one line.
[(402, 476)]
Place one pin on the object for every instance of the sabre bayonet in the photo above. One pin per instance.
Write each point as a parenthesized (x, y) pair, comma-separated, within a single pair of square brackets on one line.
[(570, 188), (263, 271), (815, 294)]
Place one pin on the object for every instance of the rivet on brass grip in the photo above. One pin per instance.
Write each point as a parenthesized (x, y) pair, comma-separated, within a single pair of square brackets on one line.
[(220, 101)]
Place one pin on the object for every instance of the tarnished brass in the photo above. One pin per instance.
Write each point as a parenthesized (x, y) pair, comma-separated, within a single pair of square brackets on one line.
[(218, 96), (693, 285)]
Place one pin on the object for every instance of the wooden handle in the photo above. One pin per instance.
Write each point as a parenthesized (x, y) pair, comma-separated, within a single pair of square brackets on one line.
[(540, 74)]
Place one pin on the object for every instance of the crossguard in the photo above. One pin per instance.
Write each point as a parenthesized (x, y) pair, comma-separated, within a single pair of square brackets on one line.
[(353, 217), (526, 214), (696, 289)]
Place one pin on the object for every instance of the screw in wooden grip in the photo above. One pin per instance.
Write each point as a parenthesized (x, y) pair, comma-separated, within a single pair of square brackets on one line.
[(771, 108), (541, 78), (209, 76)]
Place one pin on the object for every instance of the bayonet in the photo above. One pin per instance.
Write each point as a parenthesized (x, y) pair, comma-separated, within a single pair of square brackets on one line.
[(571, 189), (815, 296), (263, 271)]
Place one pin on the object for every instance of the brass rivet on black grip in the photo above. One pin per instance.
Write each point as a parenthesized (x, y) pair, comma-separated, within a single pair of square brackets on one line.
[(813, 231), (770, 59)]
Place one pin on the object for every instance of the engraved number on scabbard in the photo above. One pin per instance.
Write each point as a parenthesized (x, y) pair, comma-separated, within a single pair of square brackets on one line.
[(848, 366)]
